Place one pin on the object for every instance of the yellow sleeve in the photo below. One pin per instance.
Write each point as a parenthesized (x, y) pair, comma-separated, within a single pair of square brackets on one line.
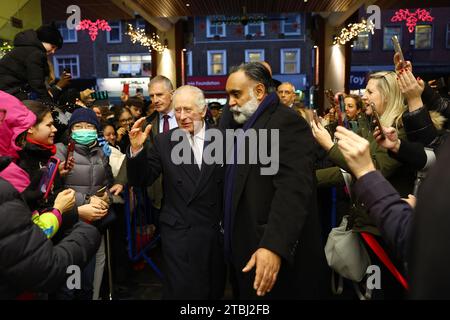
[(47, 221)]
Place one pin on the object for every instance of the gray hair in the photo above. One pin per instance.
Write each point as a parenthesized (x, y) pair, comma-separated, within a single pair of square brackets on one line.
[(163, 79), (197, 94), (257, 72), (288, 83)]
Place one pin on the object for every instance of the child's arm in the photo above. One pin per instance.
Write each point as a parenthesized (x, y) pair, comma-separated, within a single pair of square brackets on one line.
[(49, 221)]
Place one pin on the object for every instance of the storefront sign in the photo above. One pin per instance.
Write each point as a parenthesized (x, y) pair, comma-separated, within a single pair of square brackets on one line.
[(213, 83)]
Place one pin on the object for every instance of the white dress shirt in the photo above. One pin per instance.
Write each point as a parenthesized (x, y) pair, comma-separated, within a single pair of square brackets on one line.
[(197, 142), (172, 121)]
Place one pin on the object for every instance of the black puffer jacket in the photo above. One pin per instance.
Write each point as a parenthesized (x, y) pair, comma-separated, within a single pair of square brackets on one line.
[(30, 261), (24, 68)]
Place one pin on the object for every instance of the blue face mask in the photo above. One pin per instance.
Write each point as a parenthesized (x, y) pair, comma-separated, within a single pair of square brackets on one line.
[(84, 136)]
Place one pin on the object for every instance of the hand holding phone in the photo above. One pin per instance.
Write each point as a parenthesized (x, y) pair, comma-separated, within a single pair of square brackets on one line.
[(100, 192), (376, 120), (69, 154), (126, 89), (398, 50), (48, 176)]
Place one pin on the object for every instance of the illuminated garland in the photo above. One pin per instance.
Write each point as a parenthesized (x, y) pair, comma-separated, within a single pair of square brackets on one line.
[(412, 18), (138, 35), (353, 30), (93, 27), (5, 48)]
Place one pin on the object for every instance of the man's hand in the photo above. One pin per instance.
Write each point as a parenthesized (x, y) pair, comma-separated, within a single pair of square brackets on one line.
[(411, 201), (100, 202), (91, 212), (355, 151), (64, 172), (267, 267), (391, 142), (322, 135), (116, 189), (64, 81), (137, 136), (65, 200)]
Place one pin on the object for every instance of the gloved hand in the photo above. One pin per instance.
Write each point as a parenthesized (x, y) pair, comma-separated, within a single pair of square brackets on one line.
[(105, 146)]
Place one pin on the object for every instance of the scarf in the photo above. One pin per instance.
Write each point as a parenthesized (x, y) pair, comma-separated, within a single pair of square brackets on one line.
[(230, 173)]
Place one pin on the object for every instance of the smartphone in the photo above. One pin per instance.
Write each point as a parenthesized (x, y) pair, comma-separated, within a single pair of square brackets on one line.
[(126, 89), (100, 192), (315, 117), (377, 121), (70, 149), (398, 49), (139, 90), (67, 70), (48, 176)]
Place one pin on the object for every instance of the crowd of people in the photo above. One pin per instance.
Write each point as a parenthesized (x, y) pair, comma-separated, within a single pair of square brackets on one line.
[(379, 161)]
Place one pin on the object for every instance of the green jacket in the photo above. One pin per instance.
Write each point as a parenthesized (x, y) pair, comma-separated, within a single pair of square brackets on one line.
[(400, 176)]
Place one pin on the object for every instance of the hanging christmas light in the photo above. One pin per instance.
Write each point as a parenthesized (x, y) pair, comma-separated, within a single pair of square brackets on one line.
[(5, 48), (153, 43), (93, 27), (353, 30), (412, 18)]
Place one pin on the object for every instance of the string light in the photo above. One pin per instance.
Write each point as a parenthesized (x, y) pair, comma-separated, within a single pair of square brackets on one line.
[(93, 27), (412, 18), (353, 30), (153, 43), (5, 48)]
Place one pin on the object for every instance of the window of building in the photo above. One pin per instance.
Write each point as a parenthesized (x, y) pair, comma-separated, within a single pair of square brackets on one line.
[(130, 65), (254, 55), (140, 24), (69, 35), (362, 42), (61, 62), (217, 62), (189, 63), (255, 29), (115, 35), (215, 29), (423, 37), (290, 61), (291, 26), (448, 36), (388, 33)]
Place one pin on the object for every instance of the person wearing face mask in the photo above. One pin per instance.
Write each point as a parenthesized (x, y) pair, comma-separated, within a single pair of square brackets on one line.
[(36, 263), (24, 69), (90, 173)]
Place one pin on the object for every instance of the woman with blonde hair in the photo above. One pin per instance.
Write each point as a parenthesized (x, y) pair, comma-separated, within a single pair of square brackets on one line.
[(383, 95)]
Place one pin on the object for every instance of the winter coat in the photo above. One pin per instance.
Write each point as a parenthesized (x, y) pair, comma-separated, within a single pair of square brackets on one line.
[(23, 69), (32, 158), (28, 260), (90, 173)]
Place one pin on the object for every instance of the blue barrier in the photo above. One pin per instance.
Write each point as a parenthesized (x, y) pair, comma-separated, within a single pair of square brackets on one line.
[(138, 213)]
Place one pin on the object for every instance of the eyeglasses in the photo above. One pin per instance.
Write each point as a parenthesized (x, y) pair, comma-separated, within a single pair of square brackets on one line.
[(127, 120), (79, 126)]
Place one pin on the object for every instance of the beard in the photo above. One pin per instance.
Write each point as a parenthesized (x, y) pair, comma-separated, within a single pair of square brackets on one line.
[(242, 114)]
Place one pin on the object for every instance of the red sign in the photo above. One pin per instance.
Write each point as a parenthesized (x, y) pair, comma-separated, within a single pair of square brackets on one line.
[(213, 83)]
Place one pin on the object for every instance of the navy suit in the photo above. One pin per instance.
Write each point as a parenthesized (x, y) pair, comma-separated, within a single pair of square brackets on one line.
[(191, 213)]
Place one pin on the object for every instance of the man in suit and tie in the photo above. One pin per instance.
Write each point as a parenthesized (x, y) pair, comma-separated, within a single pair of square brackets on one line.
[(272, 234), (163, 119), (191, 213)]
